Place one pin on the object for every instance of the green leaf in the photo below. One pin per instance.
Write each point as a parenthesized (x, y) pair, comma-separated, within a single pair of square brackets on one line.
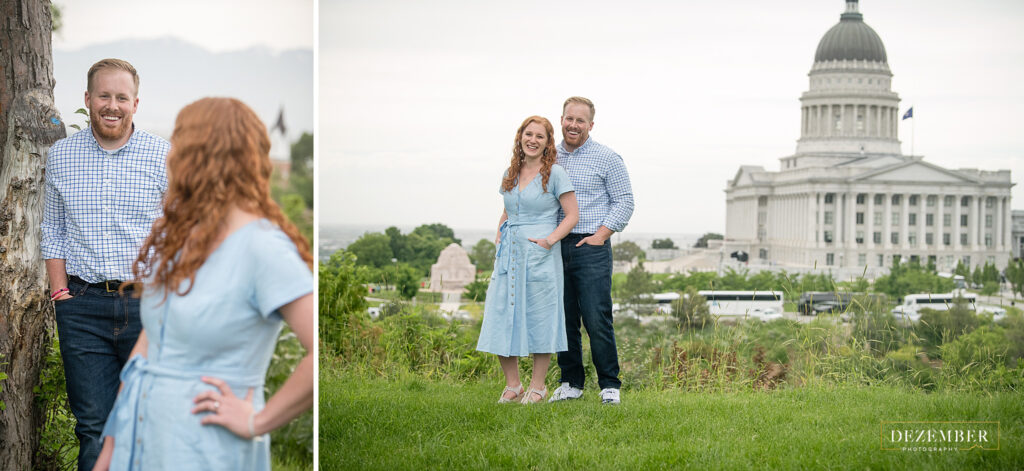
[(76, 126), (82, 111)]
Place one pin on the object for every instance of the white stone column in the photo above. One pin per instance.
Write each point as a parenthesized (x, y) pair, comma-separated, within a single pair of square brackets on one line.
[(940, 218), (997, 225), (810, 208), (887, 222), (869, 221), (956, 230), (820, 230), (904, 220), (851, 221), (922, 210), (972, 222), (1007, 226)]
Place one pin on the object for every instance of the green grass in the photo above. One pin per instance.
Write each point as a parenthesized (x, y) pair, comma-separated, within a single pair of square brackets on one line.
[(415, 423)]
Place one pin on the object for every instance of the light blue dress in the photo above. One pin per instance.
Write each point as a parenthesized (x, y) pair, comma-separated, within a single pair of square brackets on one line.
[(523, 313), (225, 327)]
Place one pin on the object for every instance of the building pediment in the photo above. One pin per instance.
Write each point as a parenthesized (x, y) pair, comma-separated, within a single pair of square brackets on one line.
[(917, 171), (747, 175)]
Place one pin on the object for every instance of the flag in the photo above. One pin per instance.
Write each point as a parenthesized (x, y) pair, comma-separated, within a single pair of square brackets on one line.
[(909, 113), (280, 122)]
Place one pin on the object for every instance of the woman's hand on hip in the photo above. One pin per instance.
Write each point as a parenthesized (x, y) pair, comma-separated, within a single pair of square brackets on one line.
[(228, 410), (542, 242)]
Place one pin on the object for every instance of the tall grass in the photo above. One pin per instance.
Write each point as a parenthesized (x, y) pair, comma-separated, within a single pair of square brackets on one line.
[(872, 349)]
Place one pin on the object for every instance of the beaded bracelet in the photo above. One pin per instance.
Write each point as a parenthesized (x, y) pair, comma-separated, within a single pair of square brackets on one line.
[(58, 293)]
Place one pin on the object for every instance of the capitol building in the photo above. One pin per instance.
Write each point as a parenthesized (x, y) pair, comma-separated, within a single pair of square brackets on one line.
[(848, 200)]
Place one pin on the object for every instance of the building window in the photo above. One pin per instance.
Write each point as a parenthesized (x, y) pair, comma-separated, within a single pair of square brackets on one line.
[(912, 239), (988, 239), (877, 237), (913, 200), (881, 260), (929, 219), (963, 220), (860, 237), (945, 238), (896, 259), (895, 218), (860, 218), (948, 200), (915, 259), (931, 200), (990, 260), (838, 122), (879, 199), (896, 199), (828, 217), (763, 254), (828, 237), (967, 261), (929, 239), (878, 218), (894, 237), (990, 202), (912, 219), (963, 239), (931, 260), (830, 259), (862, 259), (830, 198), (860, 198), (988, 221), (947, 220)]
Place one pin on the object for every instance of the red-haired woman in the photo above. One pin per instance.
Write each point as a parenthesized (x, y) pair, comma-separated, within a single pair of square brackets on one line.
[(219, 273), (523, 313)]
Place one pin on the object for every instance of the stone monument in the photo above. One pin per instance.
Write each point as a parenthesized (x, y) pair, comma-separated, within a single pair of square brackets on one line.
[(453, 271)]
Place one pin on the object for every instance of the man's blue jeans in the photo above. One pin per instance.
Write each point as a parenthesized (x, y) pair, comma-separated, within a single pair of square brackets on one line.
[(588, 298), (97, 331)]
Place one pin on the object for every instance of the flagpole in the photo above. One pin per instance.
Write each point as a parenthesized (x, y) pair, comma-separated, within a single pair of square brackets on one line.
[(913, 122)]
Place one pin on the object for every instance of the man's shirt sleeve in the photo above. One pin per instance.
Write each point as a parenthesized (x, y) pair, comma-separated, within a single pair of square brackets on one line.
[(620, 195), (55, 242)]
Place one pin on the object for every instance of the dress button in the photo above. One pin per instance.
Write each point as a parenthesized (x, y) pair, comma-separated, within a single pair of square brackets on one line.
[(140, 418)]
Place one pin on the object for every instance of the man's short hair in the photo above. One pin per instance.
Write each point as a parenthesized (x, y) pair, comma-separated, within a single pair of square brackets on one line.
[(582, 101), (117, 64)]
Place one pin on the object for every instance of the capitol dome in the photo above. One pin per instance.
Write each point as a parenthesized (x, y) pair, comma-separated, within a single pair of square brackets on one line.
[(851, 39)]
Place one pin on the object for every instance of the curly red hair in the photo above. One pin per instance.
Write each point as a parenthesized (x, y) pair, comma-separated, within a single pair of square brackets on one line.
[(547, 159), (219, 158)]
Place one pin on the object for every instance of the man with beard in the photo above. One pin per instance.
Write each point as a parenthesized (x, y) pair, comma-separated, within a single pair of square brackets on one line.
[(605, 200), (104, 186)]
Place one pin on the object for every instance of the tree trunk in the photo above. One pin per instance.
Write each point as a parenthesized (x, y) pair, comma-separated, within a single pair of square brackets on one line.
[(29, 124)]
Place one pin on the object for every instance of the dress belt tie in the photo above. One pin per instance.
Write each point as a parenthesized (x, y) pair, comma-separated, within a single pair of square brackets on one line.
[(122, 423)]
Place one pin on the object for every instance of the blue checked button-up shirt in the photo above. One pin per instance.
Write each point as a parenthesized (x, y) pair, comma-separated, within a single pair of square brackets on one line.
[(100, 205), (603, 192)]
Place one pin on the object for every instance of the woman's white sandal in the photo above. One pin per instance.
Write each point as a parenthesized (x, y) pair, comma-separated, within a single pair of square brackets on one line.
[(540, 392), (504, 400)]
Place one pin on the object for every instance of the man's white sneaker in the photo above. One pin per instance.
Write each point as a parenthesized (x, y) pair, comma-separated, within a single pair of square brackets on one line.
[(565, 392), (609, 396)]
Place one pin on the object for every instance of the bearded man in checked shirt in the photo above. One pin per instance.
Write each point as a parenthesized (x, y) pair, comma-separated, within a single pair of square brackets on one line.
[(104, 186), (605, 200)]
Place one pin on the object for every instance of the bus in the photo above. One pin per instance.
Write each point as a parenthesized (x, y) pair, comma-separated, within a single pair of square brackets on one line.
[(744, 303), (910, 310)]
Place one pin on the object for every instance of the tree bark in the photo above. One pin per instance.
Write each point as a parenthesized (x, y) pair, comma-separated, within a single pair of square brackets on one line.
[(29, 124)]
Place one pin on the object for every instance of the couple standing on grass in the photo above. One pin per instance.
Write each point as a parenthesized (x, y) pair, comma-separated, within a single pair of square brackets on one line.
[(171, 271), (541, 289)]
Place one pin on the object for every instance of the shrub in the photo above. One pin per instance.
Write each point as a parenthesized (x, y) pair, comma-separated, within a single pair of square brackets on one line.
[(691, 309)]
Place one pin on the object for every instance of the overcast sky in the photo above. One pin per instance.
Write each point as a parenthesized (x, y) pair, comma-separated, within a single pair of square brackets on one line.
[(419, 101), (216, 25)]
